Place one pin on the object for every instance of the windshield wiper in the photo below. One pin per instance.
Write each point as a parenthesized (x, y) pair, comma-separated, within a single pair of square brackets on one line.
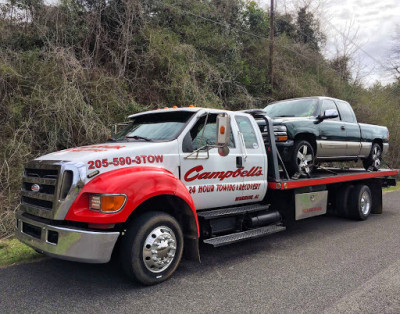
[(285, 116), (137, 137)]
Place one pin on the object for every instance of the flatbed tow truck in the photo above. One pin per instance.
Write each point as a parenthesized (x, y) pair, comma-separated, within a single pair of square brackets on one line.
[(173, 178)]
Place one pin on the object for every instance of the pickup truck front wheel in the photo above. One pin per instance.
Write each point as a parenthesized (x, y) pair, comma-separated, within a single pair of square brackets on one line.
[(302, 159), (374, 159), (152, 248)]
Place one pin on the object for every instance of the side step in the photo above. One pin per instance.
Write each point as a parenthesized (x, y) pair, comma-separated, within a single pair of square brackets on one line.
[(245, 235), (231, 211)]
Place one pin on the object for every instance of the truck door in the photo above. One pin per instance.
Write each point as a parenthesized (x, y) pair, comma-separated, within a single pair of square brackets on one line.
[(353, 133), (254, 159), (332, 134), (212, 180)]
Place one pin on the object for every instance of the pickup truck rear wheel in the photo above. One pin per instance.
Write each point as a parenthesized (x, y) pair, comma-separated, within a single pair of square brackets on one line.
[(302, 159), (152, 248), (374, 159)]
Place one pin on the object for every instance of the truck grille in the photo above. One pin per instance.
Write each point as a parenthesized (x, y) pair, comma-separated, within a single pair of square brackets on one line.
[(39, 187)]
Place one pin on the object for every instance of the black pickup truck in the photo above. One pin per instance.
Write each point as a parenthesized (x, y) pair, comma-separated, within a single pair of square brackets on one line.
[(318, 129)]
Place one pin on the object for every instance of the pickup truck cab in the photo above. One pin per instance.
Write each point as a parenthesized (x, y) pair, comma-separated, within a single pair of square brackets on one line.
[(318, 129), (169, 179)]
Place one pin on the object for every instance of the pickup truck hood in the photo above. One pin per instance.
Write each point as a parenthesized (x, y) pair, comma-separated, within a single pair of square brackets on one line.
[(289, 119), (135, 153)]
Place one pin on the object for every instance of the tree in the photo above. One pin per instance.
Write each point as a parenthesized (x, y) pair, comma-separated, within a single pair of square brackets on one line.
[(308, 31), (341, 65), (394, 56)]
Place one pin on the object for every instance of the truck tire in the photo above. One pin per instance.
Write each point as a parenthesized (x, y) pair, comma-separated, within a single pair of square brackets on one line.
[(342, 200), (374, 160), (360, 204), (152, 248), (302, 158)]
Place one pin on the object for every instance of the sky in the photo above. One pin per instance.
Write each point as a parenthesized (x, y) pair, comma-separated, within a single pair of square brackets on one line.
[(371, 24)]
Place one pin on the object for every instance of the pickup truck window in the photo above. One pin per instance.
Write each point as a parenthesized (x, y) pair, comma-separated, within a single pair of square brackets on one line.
[(346, 112), (249, 136), (198, 138), (329, 104), (293, 108), (160, 126)]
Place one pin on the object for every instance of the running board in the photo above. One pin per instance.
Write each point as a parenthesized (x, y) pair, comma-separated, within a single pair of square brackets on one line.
[(245, 235), (231, 211)]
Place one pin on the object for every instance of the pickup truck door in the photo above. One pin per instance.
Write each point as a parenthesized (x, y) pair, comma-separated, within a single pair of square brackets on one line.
[(212, 180), (332, 141), (254, 158), (353, 134)]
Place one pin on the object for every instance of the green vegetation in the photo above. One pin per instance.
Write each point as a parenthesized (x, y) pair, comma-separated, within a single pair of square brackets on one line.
[(68, 71), (12, 251), (392, 188)]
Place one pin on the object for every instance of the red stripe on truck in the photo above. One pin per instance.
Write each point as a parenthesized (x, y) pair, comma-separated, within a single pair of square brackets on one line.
[(287, 185)]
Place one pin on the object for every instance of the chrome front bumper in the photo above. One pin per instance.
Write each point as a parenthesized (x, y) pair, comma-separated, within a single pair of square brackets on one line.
[(67, 243)]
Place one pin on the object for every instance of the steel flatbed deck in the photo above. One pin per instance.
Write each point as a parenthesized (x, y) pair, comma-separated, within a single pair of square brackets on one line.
[(332, 175)]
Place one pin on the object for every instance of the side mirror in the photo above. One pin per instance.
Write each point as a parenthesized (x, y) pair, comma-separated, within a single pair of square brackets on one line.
[(330, 114), (223, 133)]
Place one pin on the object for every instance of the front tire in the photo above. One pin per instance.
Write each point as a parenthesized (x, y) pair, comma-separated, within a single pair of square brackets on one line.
[(374, 160), (152, 248), (302, 158)]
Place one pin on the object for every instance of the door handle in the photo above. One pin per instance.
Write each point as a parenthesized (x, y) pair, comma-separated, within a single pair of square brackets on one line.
[(239, 162), (342, 128)]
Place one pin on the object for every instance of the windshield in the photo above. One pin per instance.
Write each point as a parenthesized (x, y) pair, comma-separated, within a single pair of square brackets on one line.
[(160, 126), (293, 108)]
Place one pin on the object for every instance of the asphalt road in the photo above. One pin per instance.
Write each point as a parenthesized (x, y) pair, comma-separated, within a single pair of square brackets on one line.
[(323, 264)]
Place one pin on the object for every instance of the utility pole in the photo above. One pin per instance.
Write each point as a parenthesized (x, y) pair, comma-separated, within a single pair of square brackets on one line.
[(271, 42)]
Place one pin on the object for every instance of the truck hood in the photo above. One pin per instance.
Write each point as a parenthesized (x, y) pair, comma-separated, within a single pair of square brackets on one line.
[(108, 156)]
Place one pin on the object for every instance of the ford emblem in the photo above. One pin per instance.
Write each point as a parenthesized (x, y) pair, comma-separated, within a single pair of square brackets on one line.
[(35, 187)]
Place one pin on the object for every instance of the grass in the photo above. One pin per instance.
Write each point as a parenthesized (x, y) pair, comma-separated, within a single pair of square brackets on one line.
[(12, 251), (392, 188)]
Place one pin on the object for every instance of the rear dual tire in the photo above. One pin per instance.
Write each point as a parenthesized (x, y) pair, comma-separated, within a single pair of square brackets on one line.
[(354, 201)]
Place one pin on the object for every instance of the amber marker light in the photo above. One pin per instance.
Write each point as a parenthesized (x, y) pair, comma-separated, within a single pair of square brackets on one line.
[(107, 203), (222, 130), (282, 138)]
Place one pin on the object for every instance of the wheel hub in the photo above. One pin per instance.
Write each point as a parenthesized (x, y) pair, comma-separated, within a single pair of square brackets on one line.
[(304, 160), (365, 203), (159, 249), (376, 157)]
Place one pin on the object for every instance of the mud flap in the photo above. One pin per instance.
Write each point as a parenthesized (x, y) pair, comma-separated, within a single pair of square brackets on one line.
[(191, 249)]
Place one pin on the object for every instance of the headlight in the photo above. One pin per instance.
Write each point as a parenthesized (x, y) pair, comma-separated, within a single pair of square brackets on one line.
[(107, 203), (280, 128), (280, 132)]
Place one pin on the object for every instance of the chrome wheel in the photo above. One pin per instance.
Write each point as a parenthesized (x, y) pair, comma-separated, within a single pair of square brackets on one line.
[(304, 159), (159, 249), (365, 203), (376, 156)]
